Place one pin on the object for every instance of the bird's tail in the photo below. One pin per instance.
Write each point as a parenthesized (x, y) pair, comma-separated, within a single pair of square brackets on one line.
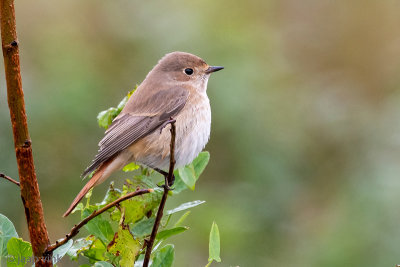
[(97, 178)]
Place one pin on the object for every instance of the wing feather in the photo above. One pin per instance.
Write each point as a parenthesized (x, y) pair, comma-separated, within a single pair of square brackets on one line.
[(130, 127)]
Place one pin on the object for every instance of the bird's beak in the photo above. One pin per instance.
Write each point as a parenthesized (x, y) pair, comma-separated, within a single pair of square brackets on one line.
[(213, 69)]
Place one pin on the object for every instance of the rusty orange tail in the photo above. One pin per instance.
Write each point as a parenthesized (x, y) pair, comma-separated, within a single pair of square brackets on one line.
[(91, 183)]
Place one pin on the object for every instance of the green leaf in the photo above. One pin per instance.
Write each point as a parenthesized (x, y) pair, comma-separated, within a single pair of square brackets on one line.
[(130, 167), (7, 231), (214, 244), (106, 117), (102, 264), (125, 246), (143, 228), (164, 257), (179, 185), (188, 176), (201, 162), (181, 219), (123, 102), (170, 232), (96, 251), (61, 251), (185, 206), (20, 251), (111, 195), (137, 208), (98, 226), (78, 207), (79, 246)]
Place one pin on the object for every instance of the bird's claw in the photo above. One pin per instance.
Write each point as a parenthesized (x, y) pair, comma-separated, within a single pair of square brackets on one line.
[(171, 120)]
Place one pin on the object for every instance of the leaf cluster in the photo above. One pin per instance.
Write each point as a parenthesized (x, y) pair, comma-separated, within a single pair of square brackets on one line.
[(118, 236)]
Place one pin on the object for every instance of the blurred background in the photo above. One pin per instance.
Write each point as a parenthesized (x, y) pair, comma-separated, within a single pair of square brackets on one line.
[(305, 141)]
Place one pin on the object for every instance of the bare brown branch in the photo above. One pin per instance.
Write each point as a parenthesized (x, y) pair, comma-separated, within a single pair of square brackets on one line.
[(29, 187), (168, 182), (2, 175), (75, 230)]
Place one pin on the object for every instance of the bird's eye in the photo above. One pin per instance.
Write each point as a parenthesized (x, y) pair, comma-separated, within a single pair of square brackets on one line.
[(189, 71)]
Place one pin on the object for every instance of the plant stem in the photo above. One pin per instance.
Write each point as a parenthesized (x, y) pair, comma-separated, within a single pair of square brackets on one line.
[(2, 175), (28, 183), (168, 182), (75, 230)]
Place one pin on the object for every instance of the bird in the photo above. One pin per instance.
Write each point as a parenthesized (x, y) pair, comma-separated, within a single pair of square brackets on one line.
[(175, 89)]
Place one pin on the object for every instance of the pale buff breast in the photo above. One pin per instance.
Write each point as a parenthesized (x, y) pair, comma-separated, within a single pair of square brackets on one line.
[(192, 133)]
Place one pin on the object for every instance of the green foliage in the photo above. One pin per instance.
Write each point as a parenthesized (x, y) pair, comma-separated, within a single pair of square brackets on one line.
[(125, 246), (119, 234), (7, 231), (107, 116), (117, 237), (131, 167), (19, 252), (214, 245), (164, 257), (61, 251)]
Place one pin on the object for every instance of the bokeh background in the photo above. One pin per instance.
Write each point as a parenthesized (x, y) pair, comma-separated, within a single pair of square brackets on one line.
[(305, 141)]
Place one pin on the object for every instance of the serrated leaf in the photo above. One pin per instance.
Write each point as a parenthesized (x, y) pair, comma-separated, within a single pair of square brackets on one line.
[(106, 117), (111, 195), (214, 244), (143, 228), (79, 246), (137, 208), (185, 206), (98, 226), (20, 251), (164, 257), (188, 176), (125, 246), (7, 231), (123, 102), (200, 162), (61, 251), (130, 167), (170, 232)]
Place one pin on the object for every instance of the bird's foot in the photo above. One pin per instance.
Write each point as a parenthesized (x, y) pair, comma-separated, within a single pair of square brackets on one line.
[(171, 120), (166, 184)]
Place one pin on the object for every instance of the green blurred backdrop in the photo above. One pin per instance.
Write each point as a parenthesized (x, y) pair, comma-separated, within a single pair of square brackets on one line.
[(305, 141)]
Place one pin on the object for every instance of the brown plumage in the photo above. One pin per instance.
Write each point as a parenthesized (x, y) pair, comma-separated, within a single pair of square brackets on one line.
[(175, 87)]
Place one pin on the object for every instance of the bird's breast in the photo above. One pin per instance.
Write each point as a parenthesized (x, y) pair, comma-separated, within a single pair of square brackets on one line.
[(193, 125)]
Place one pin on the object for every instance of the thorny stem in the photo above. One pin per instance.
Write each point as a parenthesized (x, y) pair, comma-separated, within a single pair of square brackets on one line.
[(168, 182), (75, 230)]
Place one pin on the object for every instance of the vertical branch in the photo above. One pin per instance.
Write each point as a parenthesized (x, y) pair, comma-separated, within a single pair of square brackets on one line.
[(168, 182), (29, 187)]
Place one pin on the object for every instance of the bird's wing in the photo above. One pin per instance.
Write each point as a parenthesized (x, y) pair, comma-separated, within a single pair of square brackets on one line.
[(138, 122)]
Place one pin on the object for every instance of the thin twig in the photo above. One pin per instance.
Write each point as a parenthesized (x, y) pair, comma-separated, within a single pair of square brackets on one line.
[(168, 182), (2, 175), (75, 230)]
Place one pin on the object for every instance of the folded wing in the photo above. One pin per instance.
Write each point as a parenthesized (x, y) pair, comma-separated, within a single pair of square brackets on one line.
[(138, 122)]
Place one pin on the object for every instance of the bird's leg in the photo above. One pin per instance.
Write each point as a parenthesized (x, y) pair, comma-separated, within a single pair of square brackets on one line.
[(165, 174), (171, 120)]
